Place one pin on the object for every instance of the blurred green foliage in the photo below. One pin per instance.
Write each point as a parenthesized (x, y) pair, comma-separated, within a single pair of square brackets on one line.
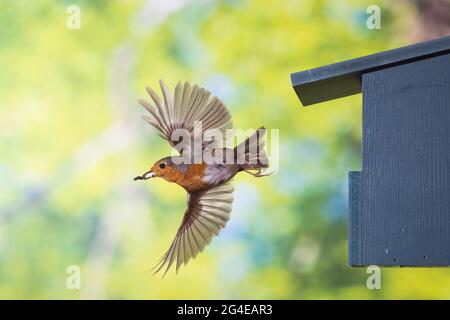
[(72, 139)]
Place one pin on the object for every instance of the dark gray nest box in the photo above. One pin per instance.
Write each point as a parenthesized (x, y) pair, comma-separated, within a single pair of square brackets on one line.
[(399, 202)]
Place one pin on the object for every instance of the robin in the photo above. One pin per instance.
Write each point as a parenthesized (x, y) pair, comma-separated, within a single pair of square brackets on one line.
[(210, 193)]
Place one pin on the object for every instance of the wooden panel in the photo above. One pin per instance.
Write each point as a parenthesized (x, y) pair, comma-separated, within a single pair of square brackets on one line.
[(344, 78), (354, 219), (405, 178)]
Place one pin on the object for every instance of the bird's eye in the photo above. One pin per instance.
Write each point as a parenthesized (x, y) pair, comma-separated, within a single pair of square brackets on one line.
[(162, 165)]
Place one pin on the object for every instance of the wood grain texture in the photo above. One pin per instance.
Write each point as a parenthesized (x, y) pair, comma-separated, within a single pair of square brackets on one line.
[(354, 231), (405, 178)]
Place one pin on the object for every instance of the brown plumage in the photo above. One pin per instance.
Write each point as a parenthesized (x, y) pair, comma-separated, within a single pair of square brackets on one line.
[(210, 193)]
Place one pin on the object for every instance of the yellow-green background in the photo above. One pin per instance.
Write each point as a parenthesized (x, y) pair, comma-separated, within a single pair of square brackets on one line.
[(71, 140)]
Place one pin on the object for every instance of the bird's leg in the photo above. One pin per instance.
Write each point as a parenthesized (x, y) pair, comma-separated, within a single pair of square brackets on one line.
[(259, 173), (256, 174)]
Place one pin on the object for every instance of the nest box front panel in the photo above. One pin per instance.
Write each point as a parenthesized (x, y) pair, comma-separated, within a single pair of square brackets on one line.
[(400, 201)]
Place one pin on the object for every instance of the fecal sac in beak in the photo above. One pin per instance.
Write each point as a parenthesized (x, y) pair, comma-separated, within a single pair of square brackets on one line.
[(145, 176)]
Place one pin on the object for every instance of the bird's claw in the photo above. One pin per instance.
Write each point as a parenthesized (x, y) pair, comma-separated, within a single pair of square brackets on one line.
[(259, 173)]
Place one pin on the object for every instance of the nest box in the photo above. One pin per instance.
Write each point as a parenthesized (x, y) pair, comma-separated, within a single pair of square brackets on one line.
[(399, 202)]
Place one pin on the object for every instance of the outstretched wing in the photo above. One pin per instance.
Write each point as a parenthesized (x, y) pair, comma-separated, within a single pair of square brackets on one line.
[(207, 212), (189, 107)]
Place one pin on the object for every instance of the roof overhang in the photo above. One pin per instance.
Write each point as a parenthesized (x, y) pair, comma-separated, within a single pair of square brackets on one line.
[(344, 78)]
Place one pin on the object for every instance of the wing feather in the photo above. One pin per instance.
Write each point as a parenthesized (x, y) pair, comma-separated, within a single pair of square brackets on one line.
[(168, 105), (160, 111), (203, 219), (187, 107), (177, 96)]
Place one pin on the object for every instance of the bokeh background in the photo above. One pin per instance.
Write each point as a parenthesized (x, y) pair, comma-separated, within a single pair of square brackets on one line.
[(72, 139)]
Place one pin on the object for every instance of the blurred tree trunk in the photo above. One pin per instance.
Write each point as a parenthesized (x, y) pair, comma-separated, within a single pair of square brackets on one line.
[(433, 19)]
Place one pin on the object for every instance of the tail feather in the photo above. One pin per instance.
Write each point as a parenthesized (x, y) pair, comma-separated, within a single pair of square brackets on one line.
[(250, 154)]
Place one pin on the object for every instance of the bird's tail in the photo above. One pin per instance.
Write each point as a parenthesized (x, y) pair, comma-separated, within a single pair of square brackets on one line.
[(250, 154)]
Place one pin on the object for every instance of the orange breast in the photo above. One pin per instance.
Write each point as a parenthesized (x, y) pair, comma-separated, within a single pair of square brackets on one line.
[(191, 180)]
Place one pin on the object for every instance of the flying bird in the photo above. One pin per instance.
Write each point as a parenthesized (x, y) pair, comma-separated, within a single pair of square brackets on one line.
[(207, 183)]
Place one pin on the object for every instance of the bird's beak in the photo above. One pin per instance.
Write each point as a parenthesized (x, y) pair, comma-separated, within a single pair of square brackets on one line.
[(145, 176)]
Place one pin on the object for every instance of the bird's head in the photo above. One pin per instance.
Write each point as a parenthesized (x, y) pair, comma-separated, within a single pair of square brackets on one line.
[(163, 168)]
